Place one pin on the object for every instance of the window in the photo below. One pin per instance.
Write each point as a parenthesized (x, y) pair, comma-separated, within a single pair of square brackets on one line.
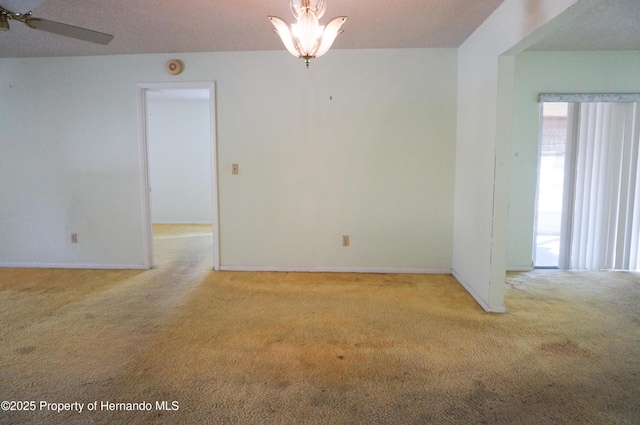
[(553, 142)]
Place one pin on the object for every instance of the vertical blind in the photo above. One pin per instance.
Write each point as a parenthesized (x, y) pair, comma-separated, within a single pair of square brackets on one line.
[(605, 225)]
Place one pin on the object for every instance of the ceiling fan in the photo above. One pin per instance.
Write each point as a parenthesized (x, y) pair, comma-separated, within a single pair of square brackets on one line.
[(59, 28)]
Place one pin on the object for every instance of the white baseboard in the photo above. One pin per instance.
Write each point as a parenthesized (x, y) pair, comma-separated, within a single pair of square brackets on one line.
[(478, 298), (74, 266), (183, 222), (519, 268), (390, 270)]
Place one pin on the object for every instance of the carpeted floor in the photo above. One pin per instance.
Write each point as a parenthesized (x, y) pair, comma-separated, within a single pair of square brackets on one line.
[(313, 348)]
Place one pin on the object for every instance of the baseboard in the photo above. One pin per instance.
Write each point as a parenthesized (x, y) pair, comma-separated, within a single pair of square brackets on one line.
[(488, 308), (74, 266), (519, 268), (390, 270), (183, 222)]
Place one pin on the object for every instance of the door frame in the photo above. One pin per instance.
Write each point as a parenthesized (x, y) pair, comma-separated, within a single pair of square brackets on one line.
[(143, 146)]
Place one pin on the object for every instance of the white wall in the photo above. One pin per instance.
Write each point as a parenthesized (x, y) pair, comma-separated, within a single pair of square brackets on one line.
[(68, 163), (485, 90), (553, 72), (179, 146), (361, 143)]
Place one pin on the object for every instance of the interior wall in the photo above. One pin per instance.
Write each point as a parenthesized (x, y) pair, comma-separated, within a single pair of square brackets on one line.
[(484, 128), (68, 164), (552, 72), (179, 146), (361, 144)]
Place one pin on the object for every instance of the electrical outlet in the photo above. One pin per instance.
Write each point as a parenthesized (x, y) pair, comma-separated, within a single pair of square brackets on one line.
[(74, 238), (234, 168), (345, 240)]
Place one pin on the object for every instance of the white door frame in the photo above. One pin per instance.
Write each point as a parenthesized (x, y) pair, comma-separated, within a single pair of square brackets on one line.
[(143, 147)]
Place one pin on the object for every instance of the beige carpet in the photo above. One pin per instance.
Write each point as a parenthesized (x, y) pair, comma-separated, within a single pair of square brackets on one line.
[(314, 348)]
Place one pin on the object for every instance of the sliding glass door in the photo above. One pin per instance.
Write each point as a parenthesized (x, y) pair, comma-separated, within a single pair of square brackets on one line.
[(551, 175), (588, 203)]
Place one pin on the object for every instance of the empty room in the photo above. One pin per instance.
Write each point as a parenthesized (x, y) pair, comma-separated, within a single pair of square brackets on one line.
[(319, 211)]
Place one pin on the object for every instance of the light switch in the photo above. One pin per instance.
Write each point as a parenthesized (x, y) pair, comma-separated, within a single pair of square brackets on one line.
[(234, 168)]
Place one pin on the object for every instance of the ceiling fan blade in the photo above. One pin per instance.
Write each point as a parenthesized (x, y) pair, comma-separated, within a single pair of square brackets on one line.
[(69, 30)]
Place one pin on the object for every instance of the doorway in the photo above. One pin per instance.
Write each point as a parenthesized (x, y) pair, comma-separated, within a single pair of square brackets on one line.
[(179, 167)]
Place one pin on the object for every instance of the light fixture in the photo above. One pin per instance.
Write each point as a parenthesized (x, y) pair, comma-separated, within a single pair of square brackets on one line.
[(307, 39), (4, 21)]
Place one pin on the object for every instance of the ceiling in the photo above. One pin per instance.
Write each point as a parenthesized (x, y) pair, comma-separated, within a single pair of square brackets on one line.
[(610, 25), (170, 26)]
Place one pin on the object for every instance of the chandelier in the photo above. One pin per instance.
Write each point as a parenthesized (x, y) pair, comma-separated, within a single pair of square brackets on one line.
[(307, 39)]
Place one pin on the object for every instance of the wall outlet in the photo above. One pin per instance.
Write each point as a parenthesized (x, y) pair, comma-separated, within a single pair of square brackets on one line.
[(74, 238), (345, 240)]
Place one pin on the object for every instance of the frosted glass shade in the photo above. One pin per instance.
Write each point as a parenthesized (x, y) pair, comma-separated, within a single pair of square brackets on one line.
[(307, 39)]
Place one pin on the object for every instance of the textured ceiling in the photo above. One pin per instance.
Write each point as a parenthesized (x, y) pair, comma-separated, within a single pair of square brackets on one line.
[(610, 25), (172, 26)]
